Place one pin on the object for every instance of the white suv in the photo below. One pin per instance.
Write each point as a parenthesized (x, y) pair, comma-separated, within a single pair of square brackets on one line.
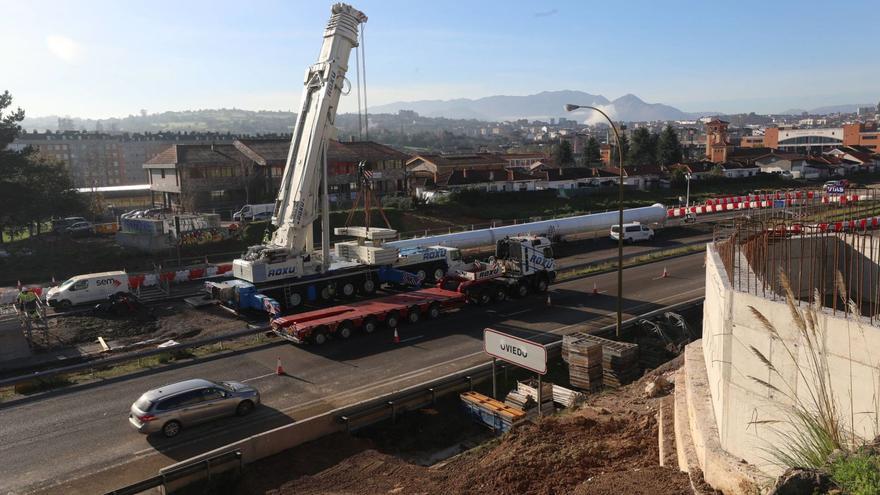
[(633, 232)]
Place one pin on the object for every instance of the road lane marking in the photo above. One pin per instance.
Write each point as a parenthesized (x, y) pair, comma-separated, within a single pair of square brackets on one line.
[(516, 312), (257, 377), (417, 337)]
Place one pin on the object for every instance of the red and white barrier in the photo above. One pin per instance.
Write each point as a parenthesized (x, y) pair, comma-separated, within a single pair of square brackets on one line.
[(758, 201)]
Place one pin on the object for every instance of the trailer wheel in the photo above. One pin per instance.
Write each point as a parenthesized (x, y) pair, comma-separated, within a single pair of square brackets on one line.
[(434, 311), (326, 292), (368, 287), (542, 284), (344, 330), (320, 336), (483, 297), (392, 320), (413, 315), (369, 325), (294, 300), (422, 275), (439, 273), (348, 289), (522, 290), (500, 295)]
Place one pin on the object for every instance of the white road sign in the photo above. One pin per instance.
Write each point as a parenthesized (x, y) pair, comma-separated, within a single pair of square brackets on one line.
[(515, 350)]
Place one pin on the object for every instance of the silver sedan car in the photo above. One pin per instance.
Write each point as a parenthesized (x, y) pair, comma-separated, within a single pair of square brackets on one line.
[(168, 409)]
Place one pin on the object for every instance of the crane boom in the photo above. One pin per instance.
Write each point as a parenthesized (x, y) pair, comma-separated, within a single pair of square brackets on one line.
[(290, 251)]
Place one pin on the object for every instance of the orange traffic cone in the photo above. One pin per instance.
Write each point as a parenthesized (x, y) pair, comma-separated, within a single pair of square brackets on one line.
[(595, 289), (549, 302), (278, 369), (396, 337), (665, 273)]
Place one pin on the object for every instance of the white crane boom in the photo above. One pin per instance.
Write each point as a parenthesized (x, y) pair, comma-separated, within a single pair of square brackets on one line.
[(291, 248)]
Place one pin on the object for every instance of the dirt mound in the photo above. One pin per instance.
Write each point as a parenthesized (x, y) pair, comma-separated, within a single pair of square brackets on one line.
[(647, 481)]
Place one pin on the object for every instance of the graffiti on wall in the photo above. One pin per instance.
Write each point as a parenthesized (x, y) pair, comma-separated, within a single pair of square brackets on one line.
[(207, 236)]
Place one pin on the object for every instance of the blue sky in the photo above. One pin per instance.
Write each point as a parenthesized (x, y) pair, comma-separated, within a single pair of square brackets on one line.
[(112, 58)]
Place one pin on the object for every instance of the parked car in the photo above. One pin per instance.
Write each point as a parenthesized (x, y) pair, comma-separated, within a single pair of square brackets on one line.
[(633, 232), (172, 407), (60, 225), (81, 229)]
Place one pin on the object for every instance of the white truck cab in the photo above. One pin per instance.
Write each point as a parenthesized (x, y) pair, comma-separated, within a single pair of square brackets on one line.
[(88, 288), (633, 232)]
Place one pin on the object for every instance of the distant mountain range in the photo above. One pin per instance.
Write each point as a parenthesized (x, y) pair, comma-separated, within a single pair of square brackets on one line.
[(542, 106)]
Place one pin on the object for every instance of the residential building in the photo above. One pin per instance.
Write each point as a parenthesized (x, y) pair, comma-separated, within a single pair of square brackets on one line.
[(698, 170), (480, 180), (799, 166), (738, 170), (574, 178), (523, 160), (222, 177), (717, 144)]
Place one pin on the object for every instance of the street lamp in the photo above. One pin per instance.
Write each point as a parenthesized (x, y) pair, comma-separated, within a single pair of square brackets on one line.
[(687, 198), (620, 231)]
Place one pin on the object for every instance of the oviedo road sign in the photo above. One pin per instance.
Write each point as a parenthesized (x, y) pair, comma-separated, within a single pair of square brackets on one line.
[(515, 350)]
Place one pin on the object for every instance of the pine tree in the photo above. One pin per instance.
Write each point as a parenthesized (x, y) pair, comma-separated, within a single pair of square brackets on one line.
[(624, 147), (592, 153), (562, 154), (643, 150), (669, 148)]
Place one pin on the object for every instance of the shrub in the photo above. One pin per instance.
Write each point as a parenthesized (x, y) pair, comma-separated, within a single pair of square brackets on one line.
[(857, 474)]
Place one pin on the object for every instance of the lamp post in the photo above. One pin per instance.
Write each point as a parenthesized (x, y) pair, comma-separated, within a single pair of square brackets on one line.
[(620, 231), (687, 198)]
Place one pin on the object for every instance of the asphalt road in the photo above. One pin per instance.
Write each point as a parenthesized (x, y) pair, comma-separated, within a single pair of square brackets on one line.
[(82, 435)]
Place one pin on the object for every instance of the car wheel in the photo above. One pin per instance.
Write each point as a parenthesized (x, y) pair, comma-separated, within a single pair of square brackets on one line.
[(413, 315), (434, 311), (171, 429), (64, 304), (344, 330), (369, 325), (244, 408), (392, 320)]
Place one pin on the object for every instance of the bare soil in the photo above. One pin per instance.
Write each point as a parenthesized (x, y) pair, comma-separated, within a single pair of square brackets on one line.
[(168, 320), (609, 446)]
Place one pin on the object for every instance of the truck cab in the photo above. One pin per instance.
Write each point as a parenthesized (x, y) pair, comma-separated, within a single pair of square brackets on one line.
[(521, 265)]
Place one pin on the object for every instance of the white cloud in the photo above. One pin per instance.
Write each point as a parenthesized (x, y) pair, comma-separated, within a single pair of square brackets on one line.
[(64, 48)]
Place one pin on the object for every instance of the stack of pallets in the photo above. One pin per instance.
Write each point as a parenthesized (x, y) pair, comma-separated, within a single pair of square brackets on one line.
[(584, 358), (495, 414), (530, 389), (620, 360)]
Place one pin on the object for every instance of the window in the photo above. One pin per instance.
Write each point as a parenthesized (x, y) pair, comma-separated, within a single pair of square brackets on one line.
[(82, 284), (209, 394), (869, 136), (163, 171), (217, 194)]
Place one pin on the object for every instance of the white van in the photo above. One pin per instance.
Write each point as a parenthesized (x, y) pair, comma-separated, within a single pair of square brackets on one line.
[(88, 288), (247, 212), (633, 232)]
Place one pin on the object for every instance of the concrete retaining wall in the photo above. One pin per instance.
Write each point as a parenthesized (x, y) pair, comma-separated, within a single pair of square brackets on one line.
[(741, 405)]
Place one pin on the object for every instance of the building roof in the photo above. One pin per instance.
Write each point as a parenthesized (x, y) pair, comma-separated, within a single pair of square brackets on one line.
[(464, 161), (699, 167), (571, 173), (728, 165), (111, 189), (265, 152), (192, 154), (466, 177), (368, 150)]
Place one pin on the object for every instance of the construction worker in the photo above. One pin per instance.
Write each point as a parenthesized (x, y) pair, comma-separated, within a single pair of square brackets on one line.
[(27, 300)]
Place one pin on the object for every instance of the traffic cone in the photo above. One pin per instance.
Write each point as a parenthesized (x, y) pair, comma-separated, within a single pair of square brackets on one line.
[(665, 273), (549, 303), (396, 337), (278, 369), (595, 289)]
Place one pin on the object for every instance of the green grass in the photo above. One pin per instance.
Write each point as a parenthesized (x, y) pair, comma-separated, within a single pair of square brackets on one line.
[(857, 474), (630, 262)]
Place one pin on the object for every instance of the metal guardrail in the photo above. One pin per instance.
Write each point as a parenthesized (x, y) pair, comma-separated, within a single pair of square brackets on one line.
[(195, 469)]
